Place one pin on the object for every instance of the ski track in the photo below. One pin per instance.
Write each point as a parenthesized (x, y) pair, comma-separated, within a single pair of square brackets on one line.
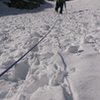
[(45, 69)]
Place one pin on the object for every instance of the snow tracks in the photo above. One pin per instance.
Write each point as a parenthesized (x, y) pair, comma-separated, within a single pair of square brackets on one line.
[(50, 70)]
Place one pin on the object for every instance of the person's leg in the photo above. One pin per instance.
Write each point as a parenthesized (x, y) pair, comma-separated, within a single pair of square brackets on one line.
[(57, 7), (61, 8)]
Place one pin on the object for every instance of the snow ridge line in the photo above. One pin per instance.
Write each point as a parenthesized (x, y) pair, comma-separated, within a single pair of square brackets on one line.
[(65, 67), (30, 49)]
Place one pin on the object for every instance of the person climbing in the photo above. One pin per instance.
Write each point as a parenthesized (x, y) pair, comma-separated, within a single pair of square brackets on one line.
[(60, 4)]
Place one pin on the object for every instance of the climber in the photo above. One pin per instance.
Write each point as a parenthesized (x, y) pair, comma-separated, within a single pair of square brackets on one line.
[(59, 5)]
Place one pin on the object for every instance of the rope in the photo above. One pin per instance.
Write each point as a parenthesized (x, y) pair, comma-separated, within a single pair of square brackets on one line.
[(29, 50)]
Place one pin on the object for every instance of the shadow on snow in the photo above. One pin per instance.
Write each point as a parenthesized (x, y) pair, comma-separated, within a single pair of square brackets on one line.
[(6, 11)]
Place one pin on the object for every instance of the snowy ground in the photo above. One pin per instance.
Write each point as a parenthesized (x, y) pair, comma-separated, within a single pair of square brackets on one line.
[(64, 66)]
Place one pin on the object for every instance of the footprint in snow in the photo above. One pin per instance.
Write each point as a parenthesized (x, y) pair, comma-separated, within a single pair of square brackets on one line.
[(46, 27), (75, 49), (37, 34)]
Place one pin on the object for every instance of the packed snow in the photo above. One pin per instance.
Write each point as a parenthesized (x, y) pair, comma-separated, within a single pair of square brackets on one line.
[(64, 66)]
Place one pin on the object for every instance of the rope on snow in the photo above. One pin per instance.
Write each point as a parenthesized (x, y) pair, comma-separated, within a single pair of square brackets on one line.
[(11, 66)]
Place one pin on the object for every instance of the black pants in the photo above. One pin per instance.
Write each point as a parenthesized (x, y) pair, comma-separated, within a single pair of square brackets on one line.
[(59, 5)]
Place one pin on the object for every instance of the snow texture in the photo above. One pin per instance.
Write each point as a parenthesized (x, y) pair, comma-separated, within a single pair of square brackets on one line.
[(64, 66)]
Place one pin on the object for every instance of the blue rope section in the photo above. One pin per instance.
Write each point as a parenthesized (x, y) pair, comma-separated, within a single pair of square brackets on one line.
[(28, 50)]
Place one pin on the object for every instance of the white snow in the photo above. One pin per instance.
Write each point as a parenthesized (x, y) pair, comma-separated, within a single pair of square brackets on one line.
[(64, 66)]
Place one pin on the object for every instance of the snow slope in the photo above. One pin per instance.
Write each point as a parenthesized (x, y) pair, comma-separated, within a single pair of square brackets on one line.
[(64, 66)]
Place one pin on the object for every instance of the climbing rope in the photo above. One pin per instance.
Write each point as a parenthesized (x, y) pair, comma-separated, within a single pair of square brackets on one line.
[(29, 49)]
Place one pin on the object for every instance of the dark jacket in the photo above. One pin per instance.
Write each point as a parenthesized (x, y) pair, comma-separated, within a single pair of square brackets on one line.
[(61, 1)]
